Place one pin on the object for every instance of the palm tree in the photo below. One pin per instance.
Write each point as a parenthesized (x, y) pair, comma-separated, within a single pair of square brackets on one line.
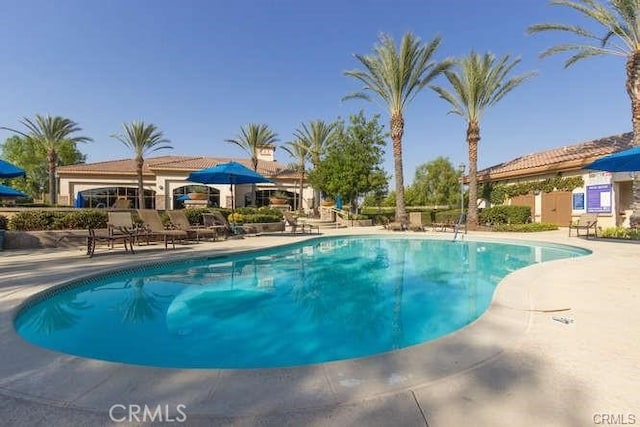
[(300, 151), (315, 136), (50, 132), (142, 139), (252, 139), (620, 20), (478, 82), (396, 77)]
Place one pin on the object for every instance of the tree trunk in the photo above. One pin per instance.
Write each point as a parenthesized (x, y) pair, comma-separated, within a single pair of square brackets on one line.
[(254, 162), (301, 185), (52, 160), (397, 130), (473, 137), (139, 165), (633, 90)]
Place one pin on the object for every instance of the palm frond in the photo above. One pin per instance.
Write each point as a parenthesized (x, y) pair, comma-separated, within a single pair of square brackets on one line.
[(142, 138), (478, 82), (397, 74), (620, 23), (252, 138), (315, 136)]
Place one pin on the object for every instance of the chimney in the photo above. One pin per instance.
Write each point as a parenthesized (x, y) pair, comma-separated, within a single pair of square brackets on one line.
[(267, 153)]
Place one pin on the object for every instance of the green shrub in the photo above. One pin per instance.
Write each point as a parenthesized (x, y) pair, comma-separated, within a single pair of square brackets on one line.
[(82, 219), (34, 220), (194, 215), (505, 215), (526, 228), (3, 222), (261, 218), (621, 233), (379, 215), (449, 215)]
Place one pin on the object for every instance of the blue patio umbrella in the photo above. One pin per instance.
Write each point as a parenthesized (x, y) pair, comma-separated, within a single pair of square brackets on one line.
[(8, 170), (622, 161), (184, 198), (231, 173), (9, 192)]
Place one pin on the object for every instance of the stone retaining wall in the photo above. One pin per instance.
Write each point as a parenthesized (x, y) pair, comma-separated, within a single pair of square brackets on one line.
[(44, 239)]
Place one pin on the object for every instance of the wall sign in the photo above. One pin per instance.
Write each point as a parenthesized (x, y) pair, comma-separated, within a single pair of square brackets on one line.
[(578, 201), (599, 198)]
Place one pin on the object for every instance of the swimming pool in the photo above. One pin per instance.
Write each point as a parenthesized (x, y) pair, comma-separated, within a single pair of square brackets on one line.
[(316, 301)]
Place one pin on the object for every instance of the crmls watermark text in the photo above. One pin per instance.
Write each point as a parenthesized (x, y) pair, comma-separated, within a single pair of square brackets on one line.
[(143, 413), (620, 419)]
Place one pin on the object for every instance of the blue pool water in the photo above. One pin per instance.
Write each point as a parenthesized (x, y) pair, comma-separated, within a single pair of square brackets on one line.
[(323, 300)]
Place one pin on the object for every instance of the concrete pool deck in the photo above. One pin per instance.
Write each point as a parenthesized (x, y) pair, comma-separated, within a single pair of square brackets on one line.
[(515, 365)]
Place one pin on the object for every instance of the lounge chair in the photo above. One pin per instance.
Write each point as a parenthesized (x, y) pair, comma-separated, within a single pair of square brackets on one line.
[(212, 222), (585, 222), (153, 223), (295, 225), (121, 204), (120, 223), (415, 221), (228, 229), (104, 236), (393, 225), (457, 226), (180, 221)]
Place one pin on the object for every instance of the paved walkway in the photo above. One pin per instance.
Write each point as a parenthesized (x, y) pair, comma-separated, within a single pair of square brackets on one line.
[(513, 366)]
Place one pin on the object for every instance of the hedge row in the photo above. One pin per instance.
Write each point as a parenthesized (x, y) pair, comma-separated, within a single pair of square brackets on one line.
[(35, 220), (57, 220), (526, 228), (505, 215), (620, 233)]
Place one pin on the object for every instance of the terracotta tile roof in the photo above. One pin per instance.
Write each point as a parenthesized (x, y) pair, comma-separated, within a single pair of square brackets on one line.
[(168, 163), (570, 157)]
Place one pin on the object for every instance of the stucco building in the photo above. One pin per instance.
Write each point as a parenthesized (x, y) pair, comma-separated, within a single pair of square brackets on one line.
[(605, 193), (102, 184)]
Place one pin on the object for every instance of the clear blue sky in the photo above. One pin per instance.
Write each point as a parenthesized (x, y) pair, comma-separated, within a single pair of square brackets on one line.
[(201, 69)]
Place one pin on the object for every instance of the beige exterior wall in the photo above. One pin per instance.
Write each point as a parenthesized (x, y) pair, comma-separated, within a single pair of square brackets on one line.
[(620, 196), (164, 184)]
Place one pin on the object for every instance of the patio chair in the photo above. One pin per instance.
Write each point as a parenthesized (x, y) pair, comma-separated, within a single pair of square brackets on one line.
[(104, 236), (393, 225), (121, 203), (415, 221), (180, 221), (456, 226), (585, 222), (120, 223), (295, 225), (211, 222), (230, 229), (153, 223)]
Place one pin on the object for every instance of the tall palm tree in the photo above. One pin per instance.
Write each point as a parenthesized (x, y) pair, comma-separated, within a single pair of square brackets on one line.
[(49, 132), (620, 22), (300, 151), (142, 139), (478, 82), (396, 76), (252, 139), (315, 136)]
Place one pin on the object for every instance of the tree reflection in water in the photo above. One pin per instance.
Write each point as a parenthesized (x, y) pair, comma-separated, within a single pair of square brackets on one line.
[(57, 313), (326, 291), (141, 304)]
